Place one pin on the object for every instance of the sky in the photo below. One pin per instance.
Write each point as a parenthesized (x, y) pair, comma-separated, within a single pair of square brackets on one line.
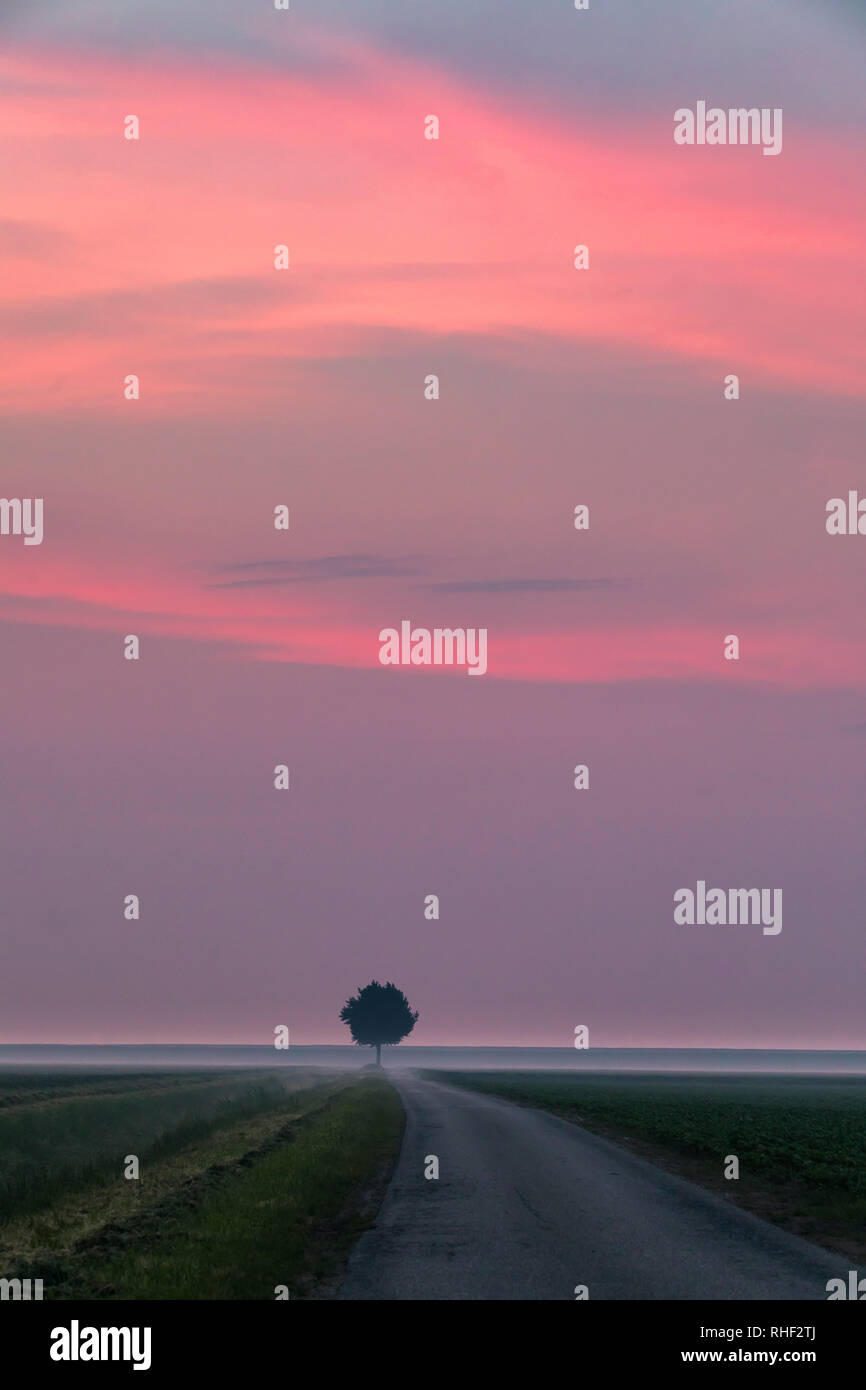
[(305, 388)]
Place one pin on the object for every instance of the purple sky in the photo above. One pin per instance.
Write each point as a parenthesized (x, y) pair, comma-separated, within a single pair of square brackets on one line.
[(558, 387)]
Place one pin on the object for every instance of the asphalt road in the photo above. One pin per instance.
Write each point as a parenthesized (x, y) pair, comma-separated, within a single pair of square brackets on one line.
[(527, 1206)]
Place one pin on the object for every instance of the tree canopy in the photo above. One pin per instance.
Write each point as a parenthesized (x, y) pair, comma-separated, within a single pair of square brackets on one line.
[(378, 1016)]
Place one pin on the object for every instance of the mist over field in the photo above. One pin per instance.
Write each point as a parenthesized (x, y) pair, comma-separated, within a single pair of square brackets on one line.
[(608, 1059)]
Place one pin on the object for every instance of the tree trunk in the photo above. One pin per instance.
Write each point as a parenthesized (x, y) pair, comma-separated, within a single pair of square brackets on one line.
[(378, 1054)]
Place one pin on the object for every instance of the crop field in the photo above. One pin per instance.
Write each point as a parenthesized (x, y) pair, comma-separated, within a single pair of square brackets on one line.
[(216, 1152), (800, 1141)]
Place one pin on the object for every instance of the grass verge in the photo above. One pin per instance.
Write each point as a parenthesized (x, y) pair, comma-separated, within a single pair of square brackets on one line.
[(230, 1224), (57, 1140)]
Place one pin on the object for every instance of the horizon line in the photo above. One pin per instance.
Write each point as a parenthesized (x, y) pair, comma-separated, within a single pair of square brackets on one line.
[(510, 1047)]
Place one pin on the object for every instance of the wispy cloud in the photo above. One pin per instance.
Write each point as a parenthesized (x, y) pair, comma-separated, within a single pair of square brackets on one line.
[(452, 259), (316, 571), (521, 586)]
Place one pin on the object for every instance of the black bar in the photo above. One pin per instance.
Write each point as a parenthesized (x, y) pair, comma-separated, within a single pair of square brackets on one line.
[(409, 1339)]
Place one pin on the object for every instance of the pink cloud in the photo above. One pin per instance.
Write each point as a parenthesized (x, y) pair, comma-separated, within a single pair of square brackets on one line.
[(702, 254)]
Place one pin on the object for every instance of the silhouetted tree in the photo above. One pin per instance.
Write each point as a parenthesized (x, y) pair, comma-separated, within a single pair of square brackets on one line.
[(377, 1016)]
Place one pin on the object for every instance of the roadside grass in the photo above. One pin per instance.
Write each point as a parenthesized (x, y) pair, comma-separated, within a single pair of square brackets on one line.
[(41, 1241), (286, 1213), (800, 1141), (57, 1140)]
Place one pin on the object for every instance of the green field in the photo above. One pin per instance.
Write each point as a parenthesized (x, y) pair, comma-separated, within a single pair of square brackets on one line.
[(800, 1141), (248, 1179)]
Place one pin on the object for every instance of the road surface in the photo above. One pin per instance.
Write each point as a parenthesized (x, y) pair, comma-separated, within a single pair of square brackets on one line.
[(528, 1206)]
